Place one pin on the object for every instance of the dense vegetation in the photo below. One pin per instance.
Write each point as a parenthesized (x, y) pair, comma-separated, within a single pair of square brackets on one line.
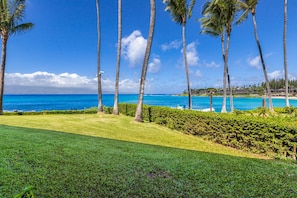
[(274, 135), (89, 155), (277, 88)]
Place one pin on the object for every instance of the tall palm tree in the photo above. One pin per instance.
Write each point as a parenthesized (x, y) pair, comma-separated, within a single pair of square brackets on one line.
[(218, 19), (11, 16), (116, 94), (249, 6), (99, 73), (138, 114), (285, 53), (180, 11)]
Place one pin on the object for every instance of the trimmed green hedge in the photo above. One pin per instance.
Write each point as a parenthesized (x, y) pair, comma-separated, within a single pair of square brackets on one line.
[(273, 136)]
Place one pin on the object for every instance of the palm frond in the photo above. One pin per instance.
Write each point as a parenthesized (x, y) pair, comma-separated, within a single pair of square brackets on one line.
[(190, 10), (21, 28)]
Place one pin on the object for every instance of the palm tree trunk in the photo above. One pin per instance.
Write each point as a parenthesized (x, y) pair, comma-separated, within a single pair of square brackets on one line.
[(263, 64), (223, 110), (230, 91), (116, 94), (186, 65), (138, 114), (100, 107), (2, 72), (226, 74), (285, 54)]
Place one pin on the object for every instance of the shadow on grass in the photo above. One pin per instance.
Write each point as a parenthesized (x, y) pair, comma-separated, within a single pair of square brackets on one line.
[(60, 164)]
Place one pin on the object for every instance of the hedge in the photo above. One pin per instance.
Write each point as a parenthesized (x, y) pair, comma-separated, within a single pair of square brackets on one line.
[(272, 136)]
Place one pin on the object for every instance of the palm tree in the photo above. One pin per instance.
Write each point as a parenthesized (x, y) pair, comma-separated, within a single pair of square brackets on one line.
[(249, 6), (180, 11), (11, 16), (138, 113), (100, 106), (218, 19), (285, 54), (116, 95)]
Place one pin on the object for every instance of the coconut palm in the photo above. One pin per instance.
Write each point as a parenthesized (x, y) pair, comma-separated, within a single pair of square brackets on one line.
[(11, 16), (99, 73), (249, 6), (285, 54), (218, 19), (180, 11), (138, 113), (116, 94)]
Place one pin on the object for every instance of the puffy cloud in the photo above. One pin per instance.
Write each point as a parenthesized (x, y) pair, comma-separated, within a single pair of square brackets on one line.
[(48, 79), (172, 45), (275, 74), (154, 66), (45, 82), (134, 48), (192, 54), (255, 62), (129, 85), (212, 64)]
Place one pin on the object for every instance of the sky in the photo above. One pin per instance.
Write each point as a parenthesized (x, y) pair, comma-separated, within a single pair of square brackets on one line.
[(59, 55)]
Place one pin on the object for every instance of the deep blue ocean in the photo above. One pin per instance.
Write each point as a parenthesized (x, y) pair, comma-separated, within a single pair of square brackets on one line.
[(83, 101)]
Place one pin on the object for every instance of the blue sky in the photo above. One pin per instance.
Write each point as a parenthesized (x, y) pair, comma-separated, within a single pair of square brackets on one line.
[(59, 54)]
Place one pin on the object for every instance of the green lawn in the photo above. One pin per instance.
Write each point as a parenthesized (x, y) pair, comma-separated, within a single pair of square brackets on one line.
[(110, 156)]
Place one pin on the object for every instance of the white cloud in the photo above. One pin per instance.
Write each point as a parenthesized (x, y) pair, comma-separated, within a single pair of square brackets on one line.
[(192, 54), (73, 82), (172, 45), (198, 73), (48, 79), (212, 64), (255, 62), (154, 66), (275, 74), (134, 48), (129, 85)]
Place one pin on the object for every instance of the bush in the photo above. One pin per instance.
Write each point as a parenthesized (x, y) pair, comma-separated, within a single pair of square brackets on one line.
[(273, 136)]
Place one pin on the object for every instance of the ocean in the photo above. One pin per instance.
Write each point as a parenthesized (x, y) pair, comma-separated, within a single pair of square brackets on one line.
[(84, 101)]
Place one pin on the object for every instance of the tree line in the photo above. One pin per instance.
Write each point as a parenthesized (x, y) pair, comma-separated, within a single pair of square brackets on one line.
[(277, 89)]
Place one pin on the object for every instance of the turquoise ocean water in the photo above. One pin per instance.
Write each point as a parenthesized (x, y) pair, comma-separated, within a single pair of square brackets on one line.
[(83, 101)]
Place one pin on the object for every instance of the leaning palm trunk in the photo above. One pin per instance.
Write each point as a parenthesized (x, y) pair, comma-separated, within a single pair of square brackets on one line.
[(138, 114), (100, 107), (2, 72), (186, 65), (228, 76), (116, 94), (285, 55), (226, 73), (223, 110), (230, 91), (263, 64)]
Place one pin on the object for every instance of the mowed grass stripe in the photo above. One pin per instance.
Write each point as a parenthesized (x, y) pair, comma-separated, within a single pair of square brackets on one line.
[(60, 164), (120, 128)]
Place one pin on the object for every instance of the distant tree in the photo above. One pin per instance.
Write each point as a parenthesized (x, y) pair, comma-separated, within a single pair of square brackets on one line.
[(116, 94), (11, 17), (180, 11), (285, 53), (218, 19), (249, 6), (138, 114), (99, 73)]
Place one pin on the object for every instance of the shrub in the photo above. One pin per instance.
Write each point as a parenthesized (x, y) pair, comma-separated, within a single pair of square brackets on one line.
[(270, 135)]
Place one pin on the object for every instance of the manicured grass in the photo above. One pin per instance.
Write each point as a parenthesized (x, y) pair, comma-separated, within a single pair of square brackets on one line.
[(110, 156)]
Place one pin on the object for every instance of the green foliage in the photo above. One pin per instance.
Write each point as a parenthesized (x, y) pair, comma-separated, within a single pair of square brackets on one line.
[(270, 135), (26, 193)]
